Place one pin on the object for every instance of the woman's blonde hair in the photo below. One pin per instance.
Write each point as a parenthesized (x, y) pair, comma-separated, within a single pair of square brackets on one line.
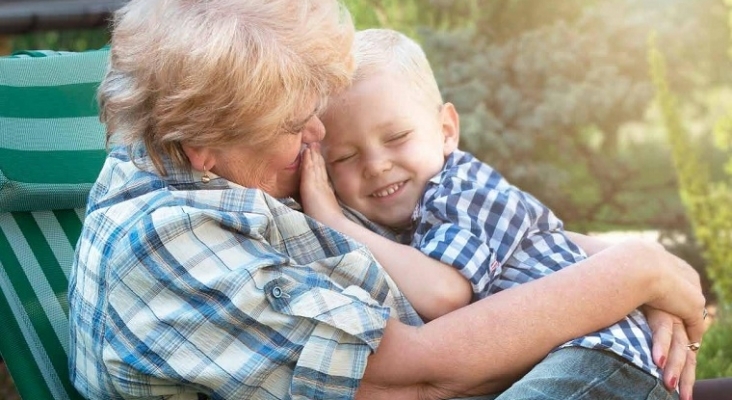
[(377, 49), (215, 72)]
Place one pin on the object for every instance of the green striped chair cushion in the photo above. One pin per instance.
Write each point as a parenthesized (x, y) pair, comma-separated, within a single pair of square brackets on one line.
[(51, 150), (36, 251), (51, 140)]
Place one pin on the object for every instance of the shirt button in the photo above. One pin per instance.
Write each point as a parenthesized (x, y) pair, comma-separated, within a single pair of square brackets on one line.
[(277, 292)]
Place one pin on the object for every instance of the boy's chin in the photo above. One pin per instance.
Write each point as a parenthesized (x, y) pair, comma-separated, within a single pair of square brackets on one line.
[(395, 223)]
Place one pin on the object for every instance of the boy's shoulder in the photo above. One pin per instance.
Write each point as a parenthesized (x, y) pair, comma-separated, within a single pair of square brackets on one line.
[(463, 170)]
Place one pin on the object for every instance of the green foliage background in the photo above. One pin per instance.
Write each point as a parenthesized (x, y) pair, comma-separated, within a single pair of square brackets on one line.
[(69, 40), (707, 201)]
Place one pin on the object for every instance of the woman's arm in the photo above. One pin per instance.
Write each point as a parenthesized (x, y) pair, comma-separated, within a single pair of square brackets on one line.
[(432, 287), (492, 342), (590, 244)]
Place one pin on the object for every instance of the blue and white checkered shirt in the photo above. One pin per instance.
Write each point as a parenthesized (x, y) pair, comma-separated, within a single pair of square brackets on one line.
[(498, 237), (180, 288)]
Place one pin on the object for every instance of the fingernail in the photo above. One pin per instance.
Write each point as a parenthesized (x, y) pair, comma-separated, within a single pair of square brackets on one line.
[(662, 362), (674, 381)]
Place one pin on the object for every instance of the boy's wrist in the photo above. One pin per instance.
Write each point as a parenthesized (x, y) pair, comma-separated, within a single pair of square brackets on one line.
[(334, 219)]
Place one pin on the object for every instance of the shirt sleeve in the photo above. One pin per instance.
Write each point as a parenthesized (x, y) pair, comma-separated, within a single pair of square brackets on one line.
[(545, 250), (201, 303), (475, 229)]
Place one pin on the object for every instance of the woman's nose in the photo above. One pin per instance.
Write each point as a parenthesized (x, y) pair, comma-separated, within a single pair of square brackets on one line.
[(314, 130)]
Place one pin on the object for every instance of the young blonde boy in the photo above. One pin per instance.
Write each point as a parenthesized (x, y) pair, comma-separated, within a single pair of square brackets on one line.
[(391, 152)]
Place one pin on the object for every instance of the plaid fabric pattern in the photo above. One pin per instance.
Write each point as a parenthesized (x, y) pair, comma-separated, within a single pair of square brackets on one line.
[(180, 288), (498, 237)]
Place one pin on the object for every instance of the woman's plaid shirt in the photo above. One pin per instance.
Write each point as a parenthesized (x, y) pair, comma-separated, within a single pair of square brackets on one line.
[(180, 289)]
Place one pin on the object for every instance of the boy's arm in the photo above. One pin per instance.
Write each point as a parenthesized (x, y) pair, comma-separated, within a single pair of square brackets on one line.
[(433, 288)]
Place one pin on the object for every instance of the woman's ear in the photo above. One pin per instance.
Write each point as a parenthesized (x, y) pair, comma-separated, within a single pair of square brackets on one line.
[(201, 158), (450, 121)]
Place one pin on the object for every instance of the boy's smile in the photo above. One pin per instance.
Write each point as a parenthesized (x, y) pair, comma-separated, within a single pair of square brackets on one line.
[(383, 144), (389, 190)]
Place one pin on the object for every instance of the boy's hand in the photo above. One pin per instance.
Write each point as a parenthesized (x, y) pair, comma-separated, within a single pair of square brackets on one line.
[(318, 199)]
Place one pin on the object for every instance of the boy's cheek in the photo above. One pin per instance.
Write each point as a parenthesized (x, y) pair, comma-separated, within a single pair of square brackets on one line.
[(340, 186)]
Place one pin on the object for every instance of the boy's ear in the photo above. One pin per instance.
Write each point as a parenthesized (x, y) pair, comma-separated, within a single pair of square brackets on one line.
[(200, 157), (450, 128)]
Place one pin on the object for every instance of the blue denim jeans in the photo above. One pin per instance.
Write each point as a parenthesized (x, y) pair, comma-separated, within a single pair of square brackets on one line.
[(575, 373)]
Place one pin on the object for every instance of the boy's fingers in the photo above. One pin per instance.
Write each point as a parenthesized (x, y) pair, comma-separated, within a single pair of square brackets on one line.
[(314, 165), (306, 160), (319, 165)]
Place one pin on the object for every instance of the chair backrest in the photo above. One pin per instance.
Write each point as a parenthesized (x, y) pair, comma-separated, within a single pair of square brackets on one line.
[(51, 150)]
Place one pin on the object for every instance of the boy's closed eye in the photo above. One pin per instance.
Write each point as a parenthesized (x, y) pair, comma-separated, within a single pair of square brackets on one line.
[(398, 136), (341, 158)]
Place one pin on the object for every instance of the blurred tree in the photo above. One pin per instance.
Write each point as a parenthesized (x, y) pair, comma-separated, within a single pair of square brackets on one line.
[(409, 16), (6, 45), (707, 201), (503, 20), (706, 194), (66, 40), (496, 20)]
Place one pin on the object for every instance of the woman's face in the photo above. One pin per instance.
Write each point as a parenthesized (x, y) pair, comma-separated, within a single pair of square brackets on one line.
[(276, 169)]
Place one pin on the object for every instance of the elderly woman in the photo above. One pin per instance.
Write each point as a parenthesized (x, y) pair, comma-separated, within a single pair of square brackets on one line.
[(196, 275)]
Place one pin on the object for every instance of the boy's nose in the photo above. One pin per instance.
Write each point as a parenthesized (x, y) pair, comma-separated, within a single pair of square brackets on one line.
[(314, 130), (376, 166)]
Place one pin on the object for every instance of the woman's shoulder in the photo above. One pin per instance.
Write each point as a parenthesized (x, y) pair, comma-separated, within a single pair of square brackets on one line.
[(133, 183)]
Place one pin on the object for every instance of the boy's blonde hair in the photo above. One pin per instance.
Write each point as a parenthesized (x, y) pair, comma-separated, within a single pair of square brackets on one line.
[(218, 72), (377, 49)]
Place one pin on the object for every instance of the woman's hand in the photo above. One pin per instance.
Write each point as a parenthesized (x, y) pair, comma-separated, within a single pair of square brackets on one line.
[(679, 290), (674, 265), (317, 196), (670, 351)]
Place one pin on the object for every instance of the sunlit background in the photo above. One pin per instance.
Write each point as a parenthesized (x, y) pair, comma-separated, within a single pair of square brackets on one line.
[(615, 113)]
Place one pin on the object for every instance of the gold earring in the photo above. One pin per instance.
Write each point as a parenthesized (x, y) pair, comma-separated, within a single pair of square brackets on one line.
[(205, 178)]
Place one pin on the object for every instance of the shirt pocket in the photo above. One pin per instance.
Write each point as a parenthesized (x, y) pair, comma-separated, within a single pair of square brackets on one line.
[(318, 299)]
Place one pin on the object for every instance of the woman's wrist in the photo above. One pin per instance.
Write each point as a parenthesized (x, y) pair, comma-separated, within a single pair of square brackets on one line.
[(646, 271), (667, 283)]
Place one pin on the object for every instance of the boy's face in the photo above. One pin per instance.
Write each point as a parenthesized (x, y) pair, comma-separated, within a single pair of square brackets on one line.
[(383, 144)]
